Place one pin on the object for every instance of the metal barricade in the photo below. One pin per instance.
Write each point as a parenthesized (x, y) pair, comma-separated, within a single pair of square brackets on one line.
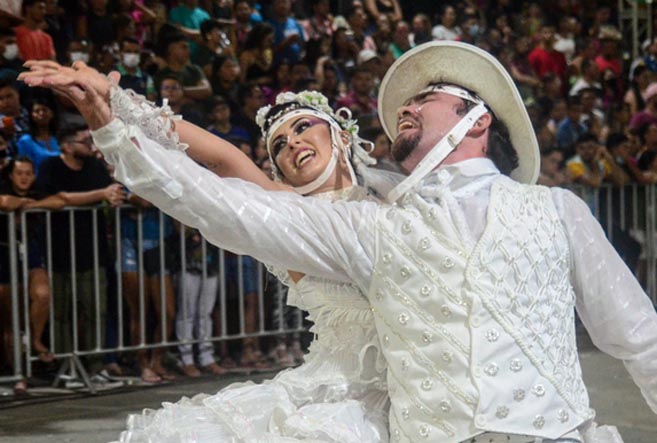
[(87, 290)]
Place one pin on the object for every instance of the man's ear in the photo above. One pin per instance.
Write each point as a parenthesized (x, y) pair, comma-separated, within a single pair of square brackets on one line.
[(481, 125)]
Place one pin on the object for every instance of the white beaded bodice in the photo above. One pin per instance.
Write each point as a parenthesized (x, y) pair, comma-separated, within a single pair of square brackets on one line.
[(475, 337)]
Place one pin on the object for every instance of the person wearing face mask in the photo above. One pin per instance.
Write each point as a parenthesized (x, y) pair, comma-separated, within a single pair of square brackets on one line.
[(132, 77), (10, 62), (78, 50)]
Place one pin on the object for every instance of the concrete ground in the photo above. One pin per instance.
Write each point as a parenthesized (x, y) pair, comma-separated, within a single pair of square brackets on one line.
[(101, 418)]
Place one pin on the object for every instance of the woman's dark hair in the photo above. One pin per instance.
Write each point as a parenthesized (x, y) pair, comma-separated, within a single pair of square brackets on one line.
[(218, 62), (646, 159), (257, 35), (54, 121), (640, 102)]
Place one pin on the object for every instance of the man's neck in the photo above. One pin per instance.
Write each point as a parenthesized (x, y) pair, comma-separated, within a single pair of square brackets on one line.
[(72, 162), (175, 65), (30, 23)]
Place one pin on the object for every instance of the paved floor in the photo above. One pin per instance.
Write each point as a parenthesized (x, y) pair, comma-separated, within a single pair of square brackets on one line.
[(101, 418)]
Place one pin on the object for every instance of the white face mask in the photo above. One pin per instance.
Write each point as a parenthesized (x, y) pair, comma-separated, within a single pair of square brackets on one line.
[(11, 51), (79, 56), (131, 60)]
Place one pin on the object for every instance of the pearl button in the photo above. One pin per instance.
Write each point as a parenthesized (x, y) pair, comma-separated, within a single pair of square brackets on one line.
[(386, 339), (405, 413), (404, 364), (445, 406), (502, 412), (518, 394), (447, 356), (425, 243), (563, 415), (481, 421), (406, 227), (539, 422), (426, 290), (475, 322), (427, 384), (403, 318), (492, 335), (424, 431), (427, 336), (446, 311), (405, 272), (448, 263), (515, 365), (379, 294), (491, 369), (387, 258), (538, 390)]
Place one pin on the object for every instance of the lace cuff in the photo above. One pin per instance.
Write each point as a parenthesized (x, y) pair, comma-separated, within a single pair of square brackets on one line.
[(156, 123)]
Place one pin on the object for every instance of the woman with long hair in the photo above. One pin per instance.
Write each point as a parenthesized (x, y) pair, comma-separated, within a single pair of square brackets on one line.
[(338, 394), (41, 141)]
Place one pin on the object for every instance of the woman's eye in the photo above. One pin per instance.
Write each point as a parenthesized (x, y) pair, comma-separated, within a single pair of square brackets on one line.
[(278, 146), (302, 126)]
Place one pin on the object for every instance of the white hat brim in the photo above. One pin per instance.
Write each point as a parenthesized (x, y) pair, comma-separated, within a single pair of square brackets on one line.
[(472, 68)]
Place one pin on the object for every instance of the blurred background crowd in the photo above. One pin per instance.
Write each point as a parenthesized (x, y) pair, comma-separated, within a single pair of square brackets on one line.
[(591, 97)]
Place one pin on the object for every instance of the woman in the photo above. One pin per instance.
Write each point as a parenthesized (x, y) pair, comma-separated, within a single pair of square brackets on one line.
[(258, 55), (339, 394), (40, 143), (225, 73)]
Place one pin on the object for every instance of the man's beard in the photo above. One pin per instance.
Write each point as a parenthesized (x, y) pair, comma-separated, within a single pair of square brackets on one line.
[(403, 146)]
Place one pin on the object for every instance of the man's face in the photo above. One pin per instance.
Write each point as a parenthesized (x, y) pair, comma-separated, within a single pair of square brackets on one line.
[(81, 145), (282, 7), (36, 11), (22, 176), (9, 102), (362, 82), (421, 123), (172, 90), (242, 12), (547, 35), (179, 51), (587, 150)]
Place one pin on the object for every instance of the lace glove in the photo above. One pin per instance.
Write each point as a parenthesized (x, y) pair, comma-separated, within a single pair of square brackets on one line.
[(156, 122)]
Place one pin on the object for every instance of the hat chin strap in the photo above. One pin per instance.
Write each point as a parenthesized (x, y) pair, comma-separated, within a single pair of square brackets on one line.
[(330, 167), (438, 153)]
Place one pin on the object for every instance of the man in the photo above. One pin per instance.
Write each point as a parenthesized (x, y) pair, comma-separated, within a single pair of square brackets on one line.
[(360, 98), (33, 43), (187, 17), (289, 37), (472, 275), (78, 171), (132, 77), (10, 62), (176, 54), (544, 58)]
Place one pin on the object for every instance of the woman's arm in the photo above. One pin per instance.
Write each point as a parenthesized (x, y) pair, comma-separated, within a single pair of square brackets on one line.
[(221, 157)]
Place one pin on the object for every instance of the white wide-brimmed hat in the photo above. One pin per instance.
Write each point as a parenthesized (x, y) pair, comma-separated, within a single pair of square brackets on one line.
[(472, 68)]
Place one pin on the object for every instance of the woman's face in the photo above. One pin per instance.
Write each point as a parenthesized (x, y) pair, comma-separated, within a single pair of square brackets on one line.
[(41, 114), (229, 71), (301, 149)]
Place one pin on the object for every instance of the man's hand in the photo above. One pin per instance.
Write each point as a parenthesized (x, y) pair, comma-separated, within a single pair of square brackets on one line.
[(85, 87), (114, 194)]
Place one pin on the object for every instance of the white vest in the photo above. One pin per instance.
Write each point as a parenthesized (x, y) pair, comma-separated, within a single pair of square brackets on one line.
[(479, 340)]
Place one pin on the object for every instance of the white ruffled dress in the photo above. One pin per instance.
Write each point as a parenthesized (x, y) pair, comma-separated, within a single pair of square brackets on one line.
[(337, 395)]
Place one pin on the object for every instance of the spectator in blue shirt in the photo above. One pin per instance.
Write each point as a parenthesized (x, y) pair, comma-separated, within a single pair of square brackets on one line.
[(289, 37), (187, 17), (40, 141)]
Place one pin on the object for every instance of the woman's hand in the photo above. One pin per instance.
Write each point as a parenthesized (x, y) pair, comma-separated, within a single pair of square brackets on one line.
[(85, 87)]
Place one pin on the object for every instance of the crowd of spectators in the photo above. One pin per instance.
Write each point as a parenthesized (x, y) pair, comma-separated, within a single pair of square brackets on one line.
[(216, 62)]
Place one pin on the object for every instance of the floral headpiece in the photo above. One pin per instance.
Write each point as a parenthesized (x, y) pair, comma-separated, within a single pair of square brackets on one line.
[(305, 99)]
